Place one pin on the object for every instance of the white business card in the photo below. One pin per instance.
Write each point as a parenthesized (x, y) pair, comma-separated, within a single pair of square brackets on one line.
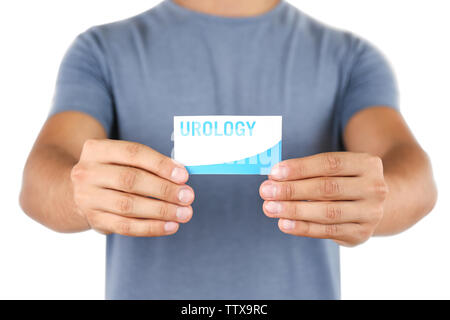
[(228, 144)]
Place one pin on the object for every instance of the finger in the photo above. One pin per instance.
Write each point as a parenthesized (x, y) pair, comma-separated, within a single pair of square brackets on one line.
[(326, 164), (324, 212), (140, 182), (347, 232), (324, 188), (112, 223), (135, 155), (133, 206)]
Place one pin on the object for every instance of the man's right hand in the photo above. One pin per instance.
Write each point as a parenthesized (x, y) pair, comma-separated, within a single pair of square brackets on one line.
[(130, 189)]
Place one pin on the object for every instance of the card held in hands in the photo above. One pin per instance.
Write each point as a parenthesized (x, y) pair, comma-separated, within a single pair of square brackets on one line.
[(228, 144)]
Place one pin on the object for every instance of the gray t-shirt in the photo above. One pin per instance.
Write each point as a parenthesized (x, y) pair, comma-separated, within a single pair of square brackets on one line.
[(135, 75)]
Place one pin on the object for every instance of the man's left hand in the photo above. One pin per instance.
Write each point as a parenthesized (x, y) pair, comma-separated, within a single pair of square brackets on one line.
[(337, 195)]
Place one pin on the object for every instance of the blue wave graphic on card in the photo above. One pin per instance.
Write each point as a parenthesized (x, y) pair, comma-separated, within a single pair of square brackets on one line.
[(228, 144)]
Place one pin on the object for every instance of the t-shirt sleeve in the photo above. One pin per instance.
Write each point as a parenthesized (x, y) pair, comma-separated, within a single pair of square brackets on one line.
[(370, 82), (82, 83)]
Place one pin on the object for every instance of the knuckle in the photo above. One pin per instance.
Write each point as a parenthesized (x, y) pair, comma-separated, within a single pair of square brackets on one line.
[(375, 162), (296, 211), (150, 229), (331, 230), (162, 163), (133, 149), (364, 233), (125, 204), (306, 228), (164, 190), (123, 227), (89, 146), (299, 168), (127, 179), (289, 191), (329, 187), (380, 188), (164, 211), (92, 218), (333, 212), (377, 213), (78, 172), (332, 163)]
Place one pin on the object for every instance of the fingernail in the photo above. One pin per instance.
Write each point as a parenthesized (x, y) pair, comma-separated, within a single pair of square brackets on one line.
[(269, 191), (179, 174), (170, 226), (183, 213), (287, 224), (279, 171), (185, 195), (273, 207)]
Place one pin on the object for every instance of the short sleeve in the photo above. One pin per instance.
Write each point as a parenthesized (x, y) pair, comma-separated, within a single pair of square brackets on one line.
[(370, 82), (82, 83)]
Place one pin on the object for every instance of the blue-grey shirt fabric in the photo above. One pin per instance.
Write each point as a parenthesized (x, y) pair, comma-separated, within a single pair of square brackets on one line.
[(135, 75)]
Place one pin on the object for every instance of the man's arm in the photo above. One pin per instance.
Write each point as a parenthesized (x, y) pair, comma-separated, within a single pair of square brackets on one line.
[(75, 179), (381, 131), (47, 192)]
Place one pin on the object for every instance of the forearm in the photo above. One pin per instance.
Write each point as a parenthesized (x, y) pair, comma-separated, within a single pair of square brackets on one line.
[(412, 192), (47, 194)]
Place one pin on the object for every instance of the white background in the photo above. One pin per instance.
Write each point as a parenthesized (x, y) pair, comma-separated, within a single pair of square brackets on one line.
[(38, 263)]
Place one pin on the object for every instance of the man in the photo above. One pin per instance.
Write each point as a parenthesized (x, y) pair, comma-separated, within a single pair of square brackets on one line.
[(352, 171)]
